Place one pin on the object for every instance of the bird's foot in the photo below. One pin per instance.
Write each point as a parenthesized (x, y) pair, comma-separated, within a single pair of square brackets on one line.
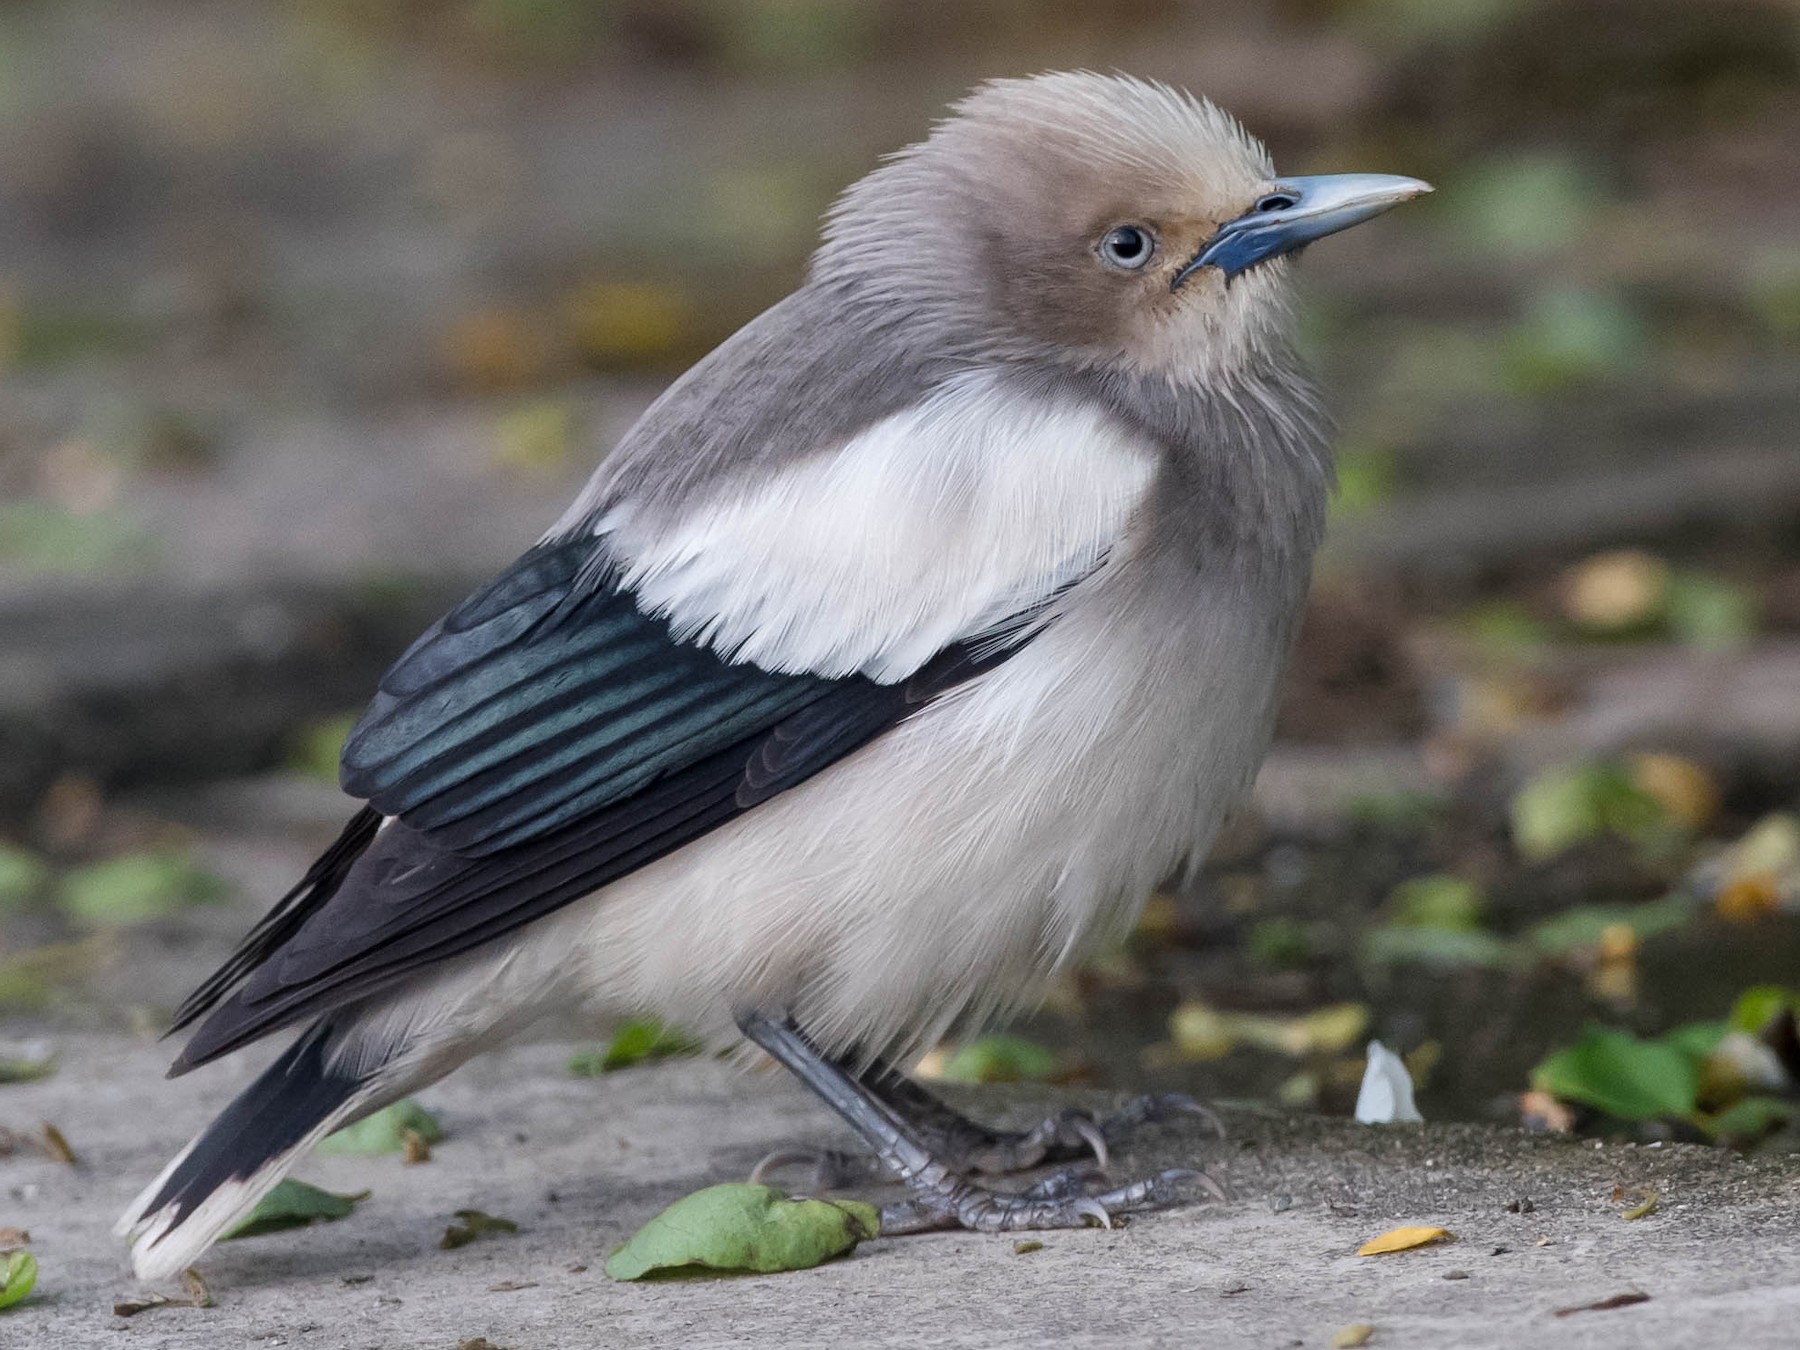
[(1072, 1135), (1075, 1134), (1064, 1199), (912, 1134)]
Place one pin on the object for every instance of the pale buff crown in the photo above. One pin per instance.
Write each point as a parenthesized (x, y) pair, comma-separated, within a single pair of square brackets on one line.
[(991, 227)]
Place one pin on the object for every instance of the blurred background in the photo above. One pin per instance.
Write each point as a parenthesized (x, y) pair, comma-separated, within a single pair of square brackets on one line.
[(314, 313)]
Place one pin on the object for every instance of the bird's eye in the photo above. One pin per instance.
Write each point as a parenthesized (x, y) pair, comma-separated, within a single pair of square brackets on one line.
[(1127, 246), (1277, 201)]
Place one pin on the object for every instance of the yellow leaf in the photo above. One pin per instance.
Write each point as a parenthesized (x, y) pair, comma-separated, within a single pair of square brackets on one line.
[(1201, 1032), (1747, 899), (1348, 1338), (1404, 1240), (1615, 592), (1685, 790)]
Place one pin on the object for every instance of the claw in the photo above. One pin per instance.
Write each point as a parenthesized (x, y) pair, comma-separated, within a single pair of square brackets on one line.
[(787, 1157), (1085, 1128), (1186, 1105), (1094, 1210)]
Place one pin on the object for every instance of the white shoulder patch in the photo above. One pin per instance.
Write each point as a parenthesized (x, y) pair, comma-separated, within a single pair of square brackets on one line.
[(935, 524)]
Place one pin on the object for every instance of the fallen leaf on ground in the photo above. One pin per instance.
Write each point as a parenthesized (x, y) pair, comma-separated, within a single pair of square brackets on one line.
[(295, 1204), (1404, 1240), (1027, 1247), (1686, 791), (739, 1226), (136, 887), (13, 1237), (471, 1224), (1647, 1201), (642, 1041), (999, 1059), (131, 1307), (22, 876), (55, 1146), (27, 1063), (511, 1286), (1616, 592), (385, 1131), (1541, 1112), (17, 1276), (1622, 1075), (1348, 1338), (1624, 1300), (415, 1148), (198, 1294)]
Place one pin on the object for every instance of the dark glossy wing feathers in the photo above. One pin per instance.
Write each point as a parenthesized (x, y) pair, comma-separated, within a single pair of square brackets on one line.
[(536, 744)]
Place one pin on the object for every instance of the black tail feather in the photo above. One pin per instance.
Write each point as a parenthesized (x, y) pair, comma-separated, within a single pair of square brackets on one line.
[(269, 1118)]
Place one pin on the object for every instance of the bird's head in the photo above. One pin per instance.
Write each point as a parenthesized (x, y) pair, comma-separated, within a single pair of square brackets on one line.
[(1101, 219)]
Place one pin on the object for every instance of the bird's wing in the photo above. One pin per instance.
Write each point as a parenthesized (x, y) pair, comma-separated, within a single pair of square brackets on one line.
[(622, 690)]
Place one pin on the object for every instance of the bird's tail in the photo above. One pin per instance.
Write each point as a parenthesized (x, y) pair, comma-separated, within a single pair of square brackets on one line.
[(217, 1179)]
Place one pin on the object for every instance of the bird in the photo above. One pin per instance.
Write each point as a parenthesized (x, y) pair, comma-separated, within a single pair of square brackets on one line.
[(882, 669)]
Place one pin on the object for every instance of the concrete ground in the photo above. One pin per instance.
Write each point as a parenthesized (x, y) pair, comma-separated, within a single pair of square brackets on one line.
[(580, 1163)]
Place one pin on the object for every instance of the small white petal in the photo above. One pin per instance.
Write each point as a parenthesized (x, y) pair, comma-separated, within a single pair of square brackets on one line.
[(1387, 1091)]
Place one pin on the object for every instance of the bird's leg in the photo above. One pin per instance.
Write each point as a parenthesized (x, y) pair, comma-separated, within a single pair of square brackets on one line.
[(942, 1197)]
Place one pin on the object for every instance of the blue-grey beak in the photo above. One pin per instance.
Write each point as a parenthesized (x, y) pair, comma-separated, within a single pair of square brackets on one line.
[(1296, 211)]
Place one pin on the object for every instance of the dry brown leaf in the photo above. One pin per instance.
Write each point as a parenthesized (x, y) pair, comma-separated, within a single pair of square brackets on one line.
[(1685, 790), (198, 1294), (1404, 1239), (1749, 898), (131, 1307), (1624, 1300), (414, 1147), (1541, 1111), (13, 1237), (55, 1146), (1647, 1201)]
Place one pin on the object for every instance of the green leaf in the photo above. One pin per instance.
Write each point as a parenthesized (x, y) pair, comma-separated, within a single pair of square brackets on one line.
[(294, 1204), (1366, 477), (1571, 337), (22, 876), (1572, 804), (26, 1062), (385, 1131), (1439, 900), (1619, 1074), (1506, 626), (1707, 612), (136, 887), (1399, 945), (642, 1041), (42, 537), (743, 1227), (1749, 1119), (999, 1059), (471, 1224), (1520, 205), (1280, 943), (17, 1277), (1581, 928), (1696, 1040), (1757, 1007)]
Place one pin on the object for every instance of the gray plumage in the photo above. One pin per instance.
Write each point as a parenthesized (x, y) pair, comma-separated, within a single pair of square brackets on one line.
[(882, 669)]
